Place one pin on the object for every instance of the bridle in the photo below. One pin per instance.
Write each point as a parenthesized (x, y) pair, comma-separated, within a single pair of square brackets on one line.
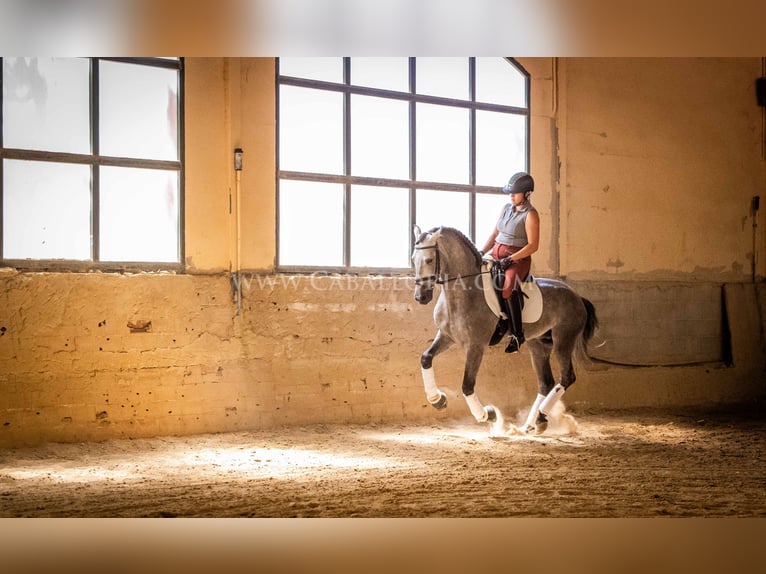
[(436, 277), (430, 278)]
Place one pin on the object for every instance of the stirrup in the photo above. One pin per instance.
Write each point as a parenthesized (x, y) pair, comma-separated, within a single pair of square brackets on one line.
[(500, 330), (514, 344)]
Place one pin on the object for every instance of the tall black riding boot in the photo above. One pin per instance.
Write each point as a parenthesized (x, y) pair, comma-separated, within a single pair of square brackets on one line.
[(500, 330), (498, 277), (517, 331)]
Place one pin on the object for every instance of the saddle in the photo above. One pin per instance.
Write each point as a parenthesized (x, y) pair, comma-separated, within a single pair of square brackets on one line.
[(492, 283)]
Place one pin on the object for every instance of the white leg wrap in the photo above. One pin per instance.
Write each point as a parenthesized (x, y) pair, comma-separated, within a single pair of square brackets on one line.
[(477, 410), (553, 397), (532, 416), (429, 382)]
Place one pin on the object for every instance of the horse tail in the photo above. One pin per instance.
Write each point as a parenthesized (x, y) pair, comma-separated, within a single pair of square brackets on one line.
[(591, 321), (588, 330)]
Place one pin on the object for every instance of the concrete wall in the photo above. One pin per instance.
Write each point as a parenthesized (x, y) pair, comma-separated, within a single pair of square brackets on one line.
[(645, 170), (661, 159)]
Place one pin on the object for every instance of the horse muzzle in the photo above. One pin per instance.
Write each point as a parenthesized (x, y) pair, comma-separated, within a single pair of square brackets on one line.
[(423, 295)]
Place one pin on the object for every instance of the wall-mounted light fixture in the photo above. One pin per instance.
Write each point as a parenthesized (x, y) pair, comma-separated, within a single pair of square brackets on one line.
[(238, 153)]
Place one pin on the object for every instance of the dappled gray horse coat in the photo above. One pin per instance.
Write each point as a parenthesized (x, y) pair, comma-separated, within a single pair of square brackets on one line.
[(447, 257)]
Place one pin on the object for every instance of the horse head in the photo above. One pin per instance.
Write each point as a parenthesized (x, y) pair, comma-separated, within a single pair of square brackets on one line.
[(425, 258)]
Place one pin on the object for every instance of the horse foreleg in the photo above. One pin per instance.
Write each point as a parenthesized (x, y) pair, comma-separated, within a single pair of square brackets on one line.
[(481, 413), (436, 397)]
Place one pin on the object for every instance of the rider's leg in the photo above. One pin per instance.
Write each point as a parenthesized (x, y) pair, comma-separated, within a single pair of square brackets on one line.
[(512, 297), (499, 279), (517, 330)]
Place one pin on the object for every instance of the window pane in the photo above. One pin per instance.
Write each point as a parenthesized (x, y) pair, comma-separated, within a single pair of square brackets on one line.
[(442, 208), (314, 125), (379, 137), (380, 226), (46, 105), (325, 69), (501, 147), (310, 130), (310, 223), (46, 210), (442, 144), (138, 108), (488, 209), (385, 73), (446, 77), (139, 215), (500, 82)]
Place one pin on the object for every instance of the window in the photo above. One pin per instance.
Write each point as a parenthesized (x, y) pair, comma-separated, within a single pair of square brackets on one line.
[(91, 162), (367, 147)]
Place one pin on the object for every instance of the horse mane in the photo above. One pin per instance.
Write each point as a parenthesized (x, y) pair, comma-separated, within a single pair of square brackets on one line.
[(425, 234), (460, 236)]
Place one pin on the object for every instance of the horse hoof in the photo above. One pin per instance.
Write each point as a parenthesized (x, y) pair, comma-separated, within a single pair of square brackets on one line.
[(541, 427), (491, 414), (441, 403)]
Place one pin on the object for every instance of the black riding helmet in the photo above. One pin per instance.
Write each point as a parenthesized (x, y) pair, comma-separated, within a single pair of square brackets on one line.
[(520, 182)]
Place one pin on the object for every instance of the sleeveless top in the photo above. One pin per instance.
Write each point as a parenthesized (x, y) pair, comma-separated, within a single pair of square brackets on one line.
[(511, 226)]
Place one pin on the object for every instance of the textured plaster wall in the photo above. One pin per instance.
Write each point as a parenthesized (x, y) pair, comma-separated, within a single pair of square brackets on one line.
[(644, 170), (661, 160), (73, 369), (304, 350)]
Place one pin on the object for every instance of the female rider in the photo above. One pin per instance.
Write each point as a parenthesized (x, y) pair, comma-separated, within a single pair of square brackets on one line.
[(513, 241)]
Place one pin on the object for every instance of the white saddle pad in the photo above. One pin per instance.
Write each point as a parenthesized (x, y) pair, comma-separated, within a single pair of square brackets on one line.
[(533, 300)]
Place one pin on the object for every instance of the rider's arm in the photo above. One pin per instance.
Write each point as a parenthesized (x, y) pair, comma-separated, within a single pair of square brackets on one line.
[(533, 236), (490, 242)]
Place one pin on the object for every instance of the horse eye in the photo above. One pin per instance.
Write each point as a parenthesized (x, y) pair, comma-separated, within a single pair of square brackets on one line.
[(430, 260)]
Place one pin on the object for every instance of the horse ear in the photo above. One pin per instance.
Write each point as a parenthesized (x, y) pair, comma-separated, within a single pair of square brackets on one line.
[(416, 231)]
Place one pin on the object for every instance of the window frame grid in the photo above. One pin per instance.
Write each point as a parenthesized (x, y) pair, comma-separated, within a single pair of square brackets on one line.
[(95, 160), (412, 184)]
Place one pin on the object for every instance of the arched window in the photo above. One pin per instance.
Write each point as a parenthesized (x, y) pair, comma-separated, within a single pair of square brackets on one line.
[(369, 146)]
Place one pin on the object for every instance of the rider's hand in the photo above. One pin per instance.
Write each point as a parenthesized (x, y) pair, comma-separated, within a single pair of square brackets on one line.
[(505, 263)]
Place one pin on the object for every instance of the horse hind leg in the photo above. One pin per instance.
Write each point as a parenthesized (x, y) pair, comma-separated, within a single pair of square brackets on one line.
[(563, 352), (540, 350), (437, 398)]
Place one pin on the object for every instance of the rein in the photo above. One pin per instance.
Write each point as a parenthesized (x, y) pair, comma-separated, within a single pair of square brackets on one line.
[(436, 278)]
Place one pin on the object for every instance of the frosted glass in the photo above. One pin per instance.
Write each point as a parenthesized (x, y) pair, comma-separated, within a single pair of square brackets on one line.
[(138, 111), (446, 77), (310, 130), (46, 104), (139, 215), (380, 227), (500, 147), (310, 223), (489, 206), (442, 209), (384, 73), (500, 82), (442, 144), (46, 210), (379, 137)]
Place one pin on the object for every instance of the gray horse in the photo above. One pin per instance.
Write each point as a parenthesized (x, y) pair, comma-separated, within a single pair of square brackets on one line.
[(447, 257)]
